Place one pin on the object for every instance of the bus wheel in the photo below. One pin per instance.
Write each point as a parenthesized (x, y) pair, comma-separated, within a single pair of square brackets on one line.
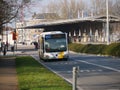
[(40, 58), (45, 60)]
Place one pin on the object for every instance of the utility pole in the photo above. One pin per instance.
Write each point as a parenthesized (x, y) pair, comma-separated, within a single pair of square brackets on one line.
[(107, 23), (16, 34), (7, 36)]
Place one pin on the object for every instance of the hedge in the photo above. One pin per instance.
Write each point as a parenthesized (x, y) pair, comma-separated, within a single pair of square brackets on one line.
[(112, 49)]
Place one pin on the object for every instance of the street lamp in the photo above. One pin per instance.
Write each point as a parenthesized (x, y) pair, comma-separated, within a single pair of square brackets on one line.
[(107, 23), (7, 36)]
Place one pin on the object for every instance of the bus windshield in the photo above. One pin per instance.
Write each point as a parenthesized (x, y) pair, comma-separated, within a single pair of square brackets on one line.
[(55, 44)]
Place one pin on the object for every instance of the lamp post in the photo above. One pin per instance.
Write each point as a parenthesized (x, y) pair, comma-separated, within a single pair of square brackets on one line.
[(107, 23), (7, 36), (16, 34)]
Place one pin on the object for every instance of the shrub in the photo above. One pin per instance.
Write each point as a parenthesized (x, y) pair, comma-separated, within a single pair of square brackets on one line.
[(112, 49), (94, 49)]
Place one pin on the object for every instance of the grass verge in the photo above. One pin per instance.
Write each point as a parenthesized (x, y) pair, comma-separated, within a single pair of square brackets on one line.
[(34, 76)]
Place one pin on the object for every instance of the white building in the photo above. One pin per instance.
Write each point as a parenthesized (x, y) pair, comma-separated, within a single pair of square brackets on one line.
[(7, 37), (30, 35)]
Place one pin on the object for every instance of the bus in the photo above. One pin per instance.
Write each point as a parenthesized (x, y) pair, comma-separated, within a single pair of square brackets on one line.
[(53, 46)]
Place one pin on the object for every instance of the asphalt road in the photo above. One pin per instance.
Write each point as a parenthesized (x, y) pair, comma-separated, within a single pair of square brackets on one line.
[(96, 72)]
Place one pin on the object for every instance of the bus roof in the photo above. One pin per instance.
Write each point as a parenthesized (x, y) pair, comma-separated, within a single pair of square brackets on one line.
[(51, 32)]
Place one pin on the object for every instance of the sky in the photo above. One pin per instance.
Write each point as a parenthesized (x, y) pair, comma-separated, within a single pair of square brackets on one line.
[(37, 4)]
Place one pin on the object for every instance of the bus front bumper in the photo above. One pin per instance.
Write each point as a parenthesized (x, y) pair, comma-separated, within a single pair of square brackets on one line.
[(58, 55)]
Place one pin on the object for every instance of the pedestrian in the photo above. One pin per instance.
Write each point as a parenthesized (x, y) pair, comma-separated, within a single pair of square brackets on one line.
[(36, 45), (7, 45), (4, 48)]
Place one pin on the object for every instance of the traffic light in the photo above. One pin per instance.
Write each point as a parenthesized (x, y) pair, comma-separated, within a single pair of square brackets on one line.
[(14, 36)]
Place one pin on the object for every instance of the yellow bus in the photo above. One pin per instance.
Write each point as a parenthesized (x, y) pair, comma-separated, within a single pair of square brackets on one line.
[(53, 46)]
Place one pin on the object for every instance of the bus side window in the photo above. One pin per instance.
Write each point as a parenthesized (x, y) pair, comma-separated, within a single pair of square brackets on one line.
[(46, 45), (42, 44)]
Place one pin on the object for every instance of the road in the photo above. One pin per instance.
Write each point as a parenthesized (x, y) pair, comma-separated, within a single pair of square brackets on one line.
[(96, 72)]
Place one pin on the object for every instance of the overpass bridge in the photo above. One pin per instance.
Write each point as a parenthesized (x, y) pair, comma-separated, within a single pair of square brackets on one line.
[(82, 30)]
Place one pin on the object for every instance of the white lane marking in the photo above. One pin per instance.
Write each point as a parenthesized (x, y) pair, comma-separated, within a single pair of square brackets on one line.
[(81, 71), (93, 70), (64, 71), (106, 67), (99, 70), (86, 70)]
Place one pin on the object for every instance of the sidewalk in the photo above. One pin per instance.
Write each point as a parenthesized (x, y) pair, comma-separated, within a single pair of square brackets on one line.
[(8, 78), (10, 53)]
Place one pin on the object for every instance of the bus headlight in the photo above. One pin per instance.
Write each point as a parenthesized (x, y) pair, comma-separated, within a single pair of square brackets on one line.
[(46, 56)]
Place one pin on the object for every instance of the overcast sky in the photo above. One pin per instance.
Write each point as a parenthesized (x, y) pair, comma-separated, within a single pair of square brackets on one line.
[(36, 6)]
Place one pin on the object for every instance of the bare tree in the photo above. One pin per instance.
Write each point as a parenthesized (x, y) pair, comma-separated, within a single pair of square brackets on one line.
[(70, 8), (99, 7), (9, 10), (73, 8), (6, 12), (66, 8), (116, 8)]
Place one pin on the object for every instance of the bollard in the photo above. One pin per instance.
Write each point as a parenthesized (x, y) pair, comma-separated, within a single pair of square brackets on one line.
[(74, 78), (78, 71)]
